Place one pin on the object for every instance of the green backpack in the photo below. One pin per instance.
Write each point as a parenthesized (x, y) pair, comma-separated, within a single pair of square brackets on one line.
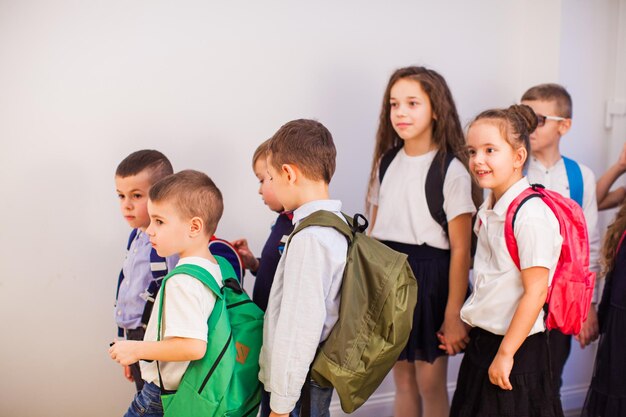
[(225, 382), (378, 296)]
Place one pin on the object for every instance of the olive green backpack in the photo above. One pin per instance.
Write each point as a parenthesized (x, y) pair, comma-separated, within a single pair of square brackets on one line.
[(225, 381), (378, 297)]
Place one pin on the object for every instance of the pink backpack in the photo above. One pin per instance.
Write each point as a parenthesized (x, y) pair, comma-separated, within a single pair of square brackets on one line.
[(569, 295)]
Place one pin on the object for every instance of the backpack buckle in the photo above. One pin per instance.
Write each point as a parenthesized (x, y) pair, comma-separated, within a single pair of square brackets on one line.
[(356, 226), (146, 296), (233, 284)]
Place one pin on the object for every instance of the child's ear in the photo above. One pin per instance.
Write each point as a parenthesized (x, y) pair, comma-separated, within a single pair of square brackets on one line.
[(291, 171), (196, 226), (520, 158), (565, 126)]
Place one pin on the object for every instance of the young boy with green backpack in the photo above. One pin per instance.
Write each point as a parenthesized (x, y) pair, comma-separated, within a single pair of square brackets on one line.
[(186, 374)]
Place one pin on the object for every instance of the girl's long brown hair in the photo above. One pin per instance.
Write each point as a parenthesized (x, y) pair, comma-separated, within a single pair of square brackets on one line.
[(447, 130), (612, 238)]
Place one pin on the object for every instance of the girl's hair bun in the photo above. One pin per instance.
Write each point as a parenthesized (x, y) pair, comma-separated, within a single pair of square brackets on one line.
[(523, 118)]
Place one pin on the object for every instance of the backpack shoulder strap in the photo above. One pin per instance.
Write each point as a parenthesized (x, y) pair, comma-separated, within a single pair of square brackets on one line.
[(226, 268), (575, 180), (133, 235), (120, 278), (195, 271), (158, 269), (509, 223), (385, 161), (434, 187), (325, 218)]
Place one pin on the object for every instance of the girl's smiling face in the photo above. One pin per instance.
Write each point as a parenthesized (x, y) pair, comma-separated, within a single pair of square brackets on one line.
[(494, 163)]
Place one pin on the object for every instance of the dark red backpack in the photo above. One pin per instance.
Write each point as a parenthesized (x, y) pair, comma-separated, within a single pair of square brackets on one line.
[(569, 295)]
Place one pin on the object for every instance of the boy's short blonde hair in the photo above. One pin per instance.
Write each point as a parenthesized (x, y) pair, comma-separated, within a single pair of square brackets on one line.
[(306, 144), (145, 159), (193, 194), (551, 92), (261, 152)]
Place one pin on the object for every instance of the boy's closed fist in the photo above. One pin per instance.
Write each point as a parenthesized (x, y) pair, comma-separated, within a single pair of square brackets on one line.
[(124, 352)]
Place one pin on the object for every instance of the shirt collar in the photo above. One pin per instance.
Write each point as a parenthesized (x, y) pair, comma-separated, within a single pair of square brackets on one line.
[(142, 237), (507, 198), (535, 162), (313, 206)]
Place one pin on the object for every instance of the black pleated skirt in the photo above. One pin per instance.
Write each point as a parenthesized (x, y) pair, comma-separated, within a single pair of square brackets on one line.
[(533, 393), (431, 267)]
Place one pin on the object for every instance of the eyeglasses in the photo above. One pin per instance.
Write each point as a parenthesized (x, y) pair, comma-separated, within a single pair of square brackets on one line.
[(541, 119)]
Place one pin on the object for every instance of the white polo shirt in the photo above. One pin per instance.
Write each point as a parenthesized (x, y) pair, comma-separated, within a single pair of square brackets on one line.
[(187, 306), (497, 281)]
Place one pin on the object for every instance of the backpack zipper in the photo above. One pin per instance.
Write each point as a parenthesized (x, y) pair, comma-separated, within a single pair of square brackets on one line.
[(217, 361), (238, 304)]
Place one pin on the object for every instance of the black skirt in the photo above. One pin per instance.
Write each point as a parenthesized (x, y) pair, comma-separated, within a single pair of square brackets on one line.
[(431, 268), (607, 392), (533, 393)]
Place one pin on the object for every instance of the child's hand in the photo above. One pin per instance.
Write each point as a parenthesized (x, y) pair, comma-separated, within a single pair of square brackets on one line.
[(500, 370), (456, 338), (127, 374), (248, 258), (590, 330), (273, 414), (124, 352)]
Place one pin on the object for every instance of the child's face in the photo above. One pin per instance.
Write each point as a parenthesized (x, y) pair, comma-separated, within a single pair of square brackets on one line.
[(265, 186), (411, 112), (281, 186), (492, 160), (169, 234), (133, 195), (547, 137)]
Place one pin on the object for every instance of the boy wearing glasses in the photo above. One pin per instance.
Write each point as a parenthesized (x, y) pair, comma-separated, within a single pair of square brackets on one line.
[(553, 106)]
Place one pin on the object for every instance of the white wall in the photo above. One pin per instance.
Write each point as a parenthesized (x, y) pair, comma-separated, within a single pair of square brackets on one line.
[(82, 84)]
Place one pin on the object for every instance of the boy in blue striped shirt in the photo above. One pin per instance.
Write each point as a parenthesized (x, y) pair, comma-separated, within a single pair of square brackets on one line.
[(143, 268)]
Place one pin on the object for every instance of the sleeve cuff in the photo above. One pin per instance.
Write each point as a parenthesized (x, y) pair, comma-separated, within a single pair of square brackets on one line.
[(282, 404), (257, 269)]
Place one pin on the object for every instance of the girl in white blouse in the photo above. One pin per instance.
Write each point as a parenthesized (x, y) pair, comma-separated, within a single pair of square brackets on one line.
[(505, 370), (419, 130)]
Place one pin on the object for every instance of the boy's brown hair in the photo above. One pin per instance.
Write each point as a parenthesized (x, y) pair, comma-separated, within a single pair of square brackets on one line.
[(145, 159), (260, 152), (551, 92), (306, 144), (194, 194)]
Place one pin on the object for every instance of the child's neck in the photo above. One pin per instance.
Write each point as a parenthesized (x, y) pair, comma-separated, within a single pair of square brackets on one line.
[(199, 249), (547, 157), (419, 146), (498, 192), (312, 191)]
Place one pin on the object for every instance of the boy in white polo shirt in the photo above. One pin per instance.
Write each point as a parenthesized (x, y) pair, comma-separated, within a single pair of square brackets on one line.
[(553, 106), (184, 211), (304, 301)]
